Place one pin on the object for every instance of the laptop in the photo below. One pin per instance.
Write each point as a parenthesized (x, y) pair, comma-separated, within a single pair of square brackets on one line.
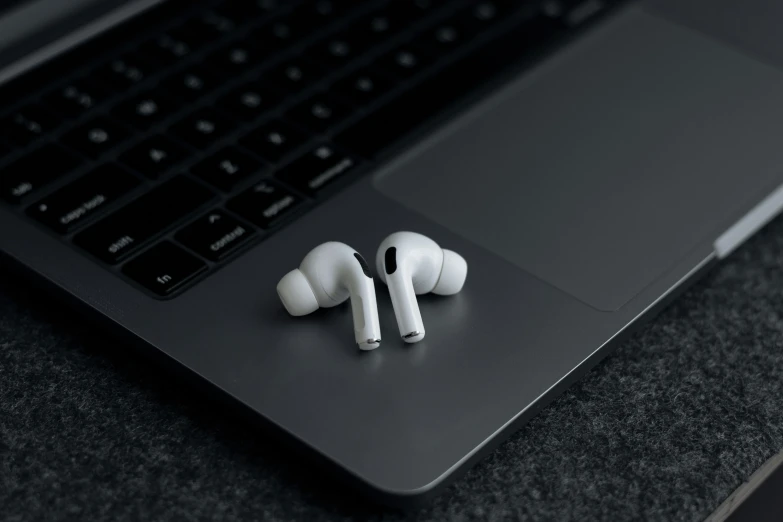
[(163, 164)]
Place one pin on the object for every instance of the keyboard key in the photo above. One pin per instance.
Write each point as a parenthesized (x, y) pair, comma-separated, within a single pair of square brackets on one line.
[(274, 140), (227, 167), (124, 72), (241, 11), (293, 75), (373, 29), (163, 268), (126, 230), (442, 39), (154, 156), (278, 35), (96, 137), (234, 59), (265, 204), (31, 122), (190, 84), (89, 195), (147, 109), (362, 87), (76, 98), (480, 17), (165, 51), (203, 29), (313, 15), (30, 173), (249, 102), (379, 131), (319, 113), (404, 62), (334, 52), (316, 169), (203, 128), (215, 235)]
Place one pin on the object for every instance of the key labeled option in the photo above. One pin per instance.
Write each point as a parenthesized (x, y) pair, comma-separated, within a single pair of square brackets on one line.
[(70, 206), (215, 235), (316, 169), (265, 203), (163, 268)]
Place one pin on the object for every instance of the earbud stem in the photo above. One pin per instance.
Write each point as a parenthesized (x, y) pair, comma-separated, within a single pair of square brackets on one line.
[(365, 314), (406, 307)]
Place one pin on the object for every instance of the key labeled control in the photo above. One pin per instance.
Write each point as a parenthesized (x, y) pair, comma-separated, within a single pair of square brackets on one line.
[(265, 203), (215, 235), (163, 268)]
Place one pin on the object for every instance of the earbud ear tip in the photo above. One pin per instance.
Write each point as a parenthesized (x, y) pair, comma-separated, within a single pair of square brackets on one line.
[(296, 294), (453, 275)]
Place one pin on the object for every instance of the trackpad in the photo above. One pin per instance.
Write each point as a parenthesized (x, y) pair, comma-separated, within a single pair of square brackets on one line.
[(603, 168)]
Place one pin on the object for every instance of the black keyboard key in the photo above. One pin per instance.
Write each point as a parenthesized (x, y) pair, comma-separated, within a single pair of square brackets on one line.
[(4, 150), (27, 124), (37, 169), (411, 11), (91, 194), (76, 98), (362, 87), (227, 167), (96, 137), (129, 228), (154, 156), (293, 75), (249, 102), (404, 62), (203, 128), (316, 169), (319, 113), (277, 35), (124, 72), (203, 29), (190, 84), (274, 140), (163, 268), (383, 128), (313, 15), (165, 51), (266, 204), (243, 11), (374, 29), (234, 59), (215, 235), (442, 39), (482, 16), (334, 52), (147, 109)]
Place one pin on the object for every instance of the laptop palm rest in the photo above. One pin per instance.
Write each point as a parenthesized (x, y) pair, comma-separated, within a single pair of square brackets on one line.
[(601, 169)]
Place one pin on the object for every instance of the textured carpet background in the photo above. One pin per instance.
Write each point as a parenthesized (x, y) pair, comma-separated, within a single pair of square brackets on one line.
[(664, 429)]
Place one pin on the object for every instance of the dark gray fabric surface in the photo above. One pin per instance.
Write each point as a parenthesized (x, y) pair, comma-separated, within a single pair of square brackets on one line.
[(664, 429)]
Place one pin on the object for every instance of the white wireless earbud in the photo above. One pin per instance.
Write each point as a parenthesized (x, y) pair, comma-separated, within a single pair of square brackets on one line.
[(330, 274), (411, 264)]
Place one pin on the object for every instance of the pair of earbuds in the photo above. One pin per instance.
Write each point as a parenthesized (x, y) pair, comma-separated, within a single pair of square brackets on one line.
[(409, 264)]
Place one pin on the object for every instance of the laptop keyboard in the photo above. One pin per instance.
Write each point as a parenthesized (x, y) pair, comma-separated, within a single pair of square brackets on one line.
[(166, 147)]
